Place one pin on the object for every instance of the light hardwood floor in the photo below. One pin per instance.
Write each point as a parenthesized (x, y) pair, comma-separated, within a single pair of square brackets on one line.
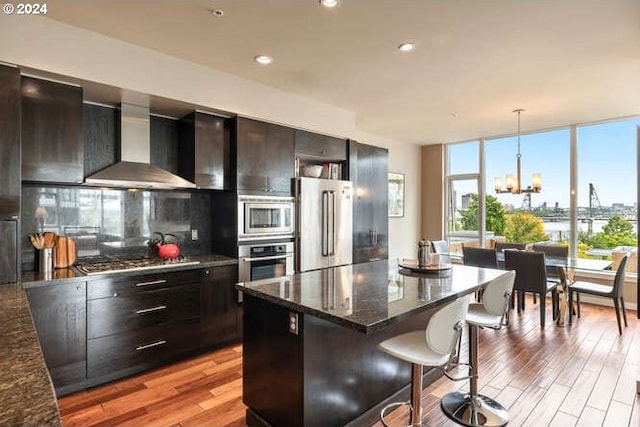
[(582, 375)]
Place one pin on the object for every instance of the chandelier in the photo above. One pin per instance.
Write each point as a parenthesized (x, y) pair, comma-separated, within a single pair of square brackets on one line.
[(514, 184)]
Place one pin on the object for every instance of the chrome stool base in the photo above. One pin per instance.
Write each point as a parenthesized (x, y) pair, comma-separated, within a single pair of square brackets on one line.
[(474, 411)]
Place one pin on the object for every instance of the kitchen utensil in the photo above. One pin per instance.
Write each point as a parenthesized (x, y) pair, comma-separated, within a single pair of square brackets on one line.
[(168, 250), (65, 253), (37, 240), (45, 260)]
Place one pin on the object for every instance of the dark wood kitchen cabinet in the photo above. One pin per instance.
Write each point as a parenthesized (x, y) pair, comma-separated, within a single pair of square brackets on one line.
[(219, 305), (368, 170), (137, 322), (205, 151), (59, 314), (265, 158), (51, 132), (9, 142), (100, 137), (309, 145), (8, 251)]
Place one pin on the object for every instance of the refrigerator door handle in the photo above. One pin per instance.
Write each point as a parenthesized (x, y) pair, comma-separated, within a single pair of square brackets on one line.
[(325, 223), (333, 223)]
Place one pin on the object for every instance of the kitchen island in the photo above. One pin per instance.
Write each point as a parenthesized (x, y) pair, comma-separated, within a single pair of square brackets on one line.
[(310, 354)]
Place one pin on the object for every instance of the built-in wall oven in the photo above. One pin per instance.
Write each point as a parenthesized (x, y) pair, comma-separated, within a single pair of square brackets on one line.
[(265, 217), (265, 261)]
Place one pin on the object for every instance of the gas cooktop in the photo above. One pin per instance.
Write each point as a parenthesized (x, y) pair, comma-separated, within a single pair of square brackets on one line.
[(114, 265)]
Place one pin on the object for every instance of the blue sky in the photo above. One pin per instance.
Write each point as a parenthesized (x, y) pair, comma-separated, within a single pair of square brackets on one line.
[(606, 157)]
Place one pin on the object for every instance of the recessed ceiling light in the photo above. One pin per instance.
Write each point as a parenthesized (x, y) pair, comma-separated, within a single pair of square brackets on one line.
[(406, 47), (264, 59), (329, 3)]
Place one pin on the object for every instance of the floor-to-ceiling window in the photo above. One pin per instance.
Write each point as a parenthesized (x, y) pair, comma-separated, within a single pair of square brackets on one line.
[(530, 217), (463, 215), (598, 222), (607, 190)]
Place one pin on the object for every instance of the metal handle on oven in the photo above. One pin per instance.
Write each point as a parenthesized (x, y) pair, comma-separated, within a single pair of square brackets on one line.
[(264, 258), (153, 282), (153, 344), (151, 309)]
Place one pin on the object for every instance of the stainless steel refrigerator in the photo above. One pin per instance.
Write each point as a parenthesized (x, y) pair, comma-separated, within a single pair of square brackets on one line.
[(325, 221)]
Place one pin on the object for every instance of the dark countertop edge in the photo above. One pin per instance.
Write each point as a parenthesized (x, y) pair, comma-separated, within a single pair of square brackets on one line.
[(27, 395), (366, 329), (33, 279)]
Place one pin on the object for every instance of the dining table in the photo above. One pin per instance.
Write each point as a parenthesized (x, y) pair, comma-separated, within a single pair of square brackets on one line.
[(567, 263)]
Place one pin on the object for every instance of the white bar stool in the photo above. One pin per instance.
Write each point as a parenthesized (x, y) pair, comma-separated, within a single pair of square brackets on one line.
[(434, 347), (473, 409)]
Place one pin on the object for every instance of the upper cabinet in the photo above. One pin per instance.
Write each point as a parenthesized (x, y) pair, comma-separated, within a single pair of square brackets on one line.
[(265, 157), (100, 136), (368, 170), (51, 132), (205, 151), (314, 146), (320, 150), (9, 142)]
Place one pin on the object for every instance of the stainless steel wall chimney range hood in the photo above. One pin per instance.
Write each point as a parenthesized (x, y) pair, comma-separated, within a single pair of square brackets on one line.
[(134, 170)]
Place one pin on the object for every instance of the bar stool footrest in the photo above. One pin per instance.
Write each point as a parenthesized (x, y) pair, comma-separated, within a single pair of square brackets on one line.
[(470, 411)]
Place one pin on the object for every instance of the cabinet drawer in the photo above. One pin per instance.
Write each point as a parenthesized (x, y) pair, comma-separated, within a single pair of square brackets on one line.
[(142, 348), (131, 285), (117, 314)]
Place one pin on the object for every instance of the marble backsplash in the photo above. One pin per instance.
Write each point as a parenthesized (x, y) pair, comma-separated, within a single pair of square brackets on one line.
[(115, 222)]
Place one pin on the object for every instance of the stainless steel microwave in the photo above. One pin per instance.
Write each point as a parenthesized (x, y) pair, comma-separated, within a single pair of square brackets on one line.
[(262, 217)]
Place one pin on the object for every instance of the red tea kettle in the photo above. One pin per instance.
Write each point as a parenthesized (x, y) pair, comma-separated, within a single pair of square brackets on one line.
[(168, 250)]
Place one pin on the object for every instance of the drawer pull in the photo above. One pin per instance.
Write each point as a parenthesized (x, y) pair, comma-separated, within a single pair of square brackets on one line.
[(153, 282), (153, 344), (151, 309)]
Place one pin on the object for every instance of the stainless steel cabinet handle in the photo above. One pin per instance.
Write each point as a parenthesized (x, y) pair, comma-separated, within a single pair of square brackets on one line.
[(151, 309), (153, 344), (265, 258), (153, 282)]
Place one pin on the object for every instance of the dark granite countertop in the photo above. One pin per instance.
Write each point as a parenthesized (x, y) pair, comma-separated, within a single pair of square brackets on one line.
[(370, 296), (32, 279), (27, 396)]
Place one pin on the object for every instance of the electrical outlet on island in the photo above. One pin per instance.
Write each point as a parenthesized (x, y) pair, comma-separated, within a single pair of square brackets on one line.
[(194, 234)]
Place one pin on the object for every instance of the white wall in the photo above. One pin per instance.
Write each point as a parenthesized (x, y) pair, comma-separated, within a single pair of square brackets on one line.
[(48, 45)]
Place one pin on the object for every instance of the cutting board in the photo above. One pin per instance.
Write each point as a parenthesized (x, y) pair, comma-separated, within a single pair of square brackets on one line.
[(65, 252)]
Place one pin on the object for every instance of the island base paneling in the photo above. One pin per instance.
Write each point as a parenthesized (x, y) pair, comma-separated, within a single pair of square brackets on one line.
[(344, 378)]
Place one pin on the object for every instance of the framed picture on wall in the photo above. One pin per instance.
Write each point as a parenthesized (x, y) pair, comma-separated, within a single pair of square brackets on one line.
[(396, 194)]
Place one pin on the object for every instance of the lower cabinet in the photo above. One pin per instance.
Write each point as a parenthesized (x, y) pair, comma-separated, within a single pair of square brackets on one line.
[(137, 322), (59, 314), (97, 331), (219, 305), (140, 349)]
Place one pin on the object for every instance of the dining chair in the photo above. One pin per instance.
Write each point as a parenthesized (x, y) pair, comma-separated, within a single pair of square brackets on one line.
[(479, 257), (614, 292), (501, 246), (435, 346), (552, 250), (531, 276), (440, 246)]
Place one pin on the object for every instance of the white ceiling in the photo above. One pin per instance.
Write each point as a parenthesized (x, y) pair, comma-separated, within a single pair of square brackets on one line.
[(564, 61)]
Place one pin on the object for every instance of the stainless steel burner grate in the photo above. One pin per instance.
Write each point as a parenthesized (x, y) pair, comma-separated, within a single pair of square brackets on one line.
[(121, 265)]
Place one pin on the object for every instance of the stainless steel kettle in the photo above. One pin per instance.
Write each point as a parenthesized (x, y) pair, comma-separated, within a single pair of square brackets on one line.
[(424, 250)]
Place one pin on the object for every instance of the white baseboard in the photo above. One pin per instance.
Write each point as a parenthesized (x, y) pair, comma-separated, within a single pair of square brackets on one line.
[(607, 302)]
